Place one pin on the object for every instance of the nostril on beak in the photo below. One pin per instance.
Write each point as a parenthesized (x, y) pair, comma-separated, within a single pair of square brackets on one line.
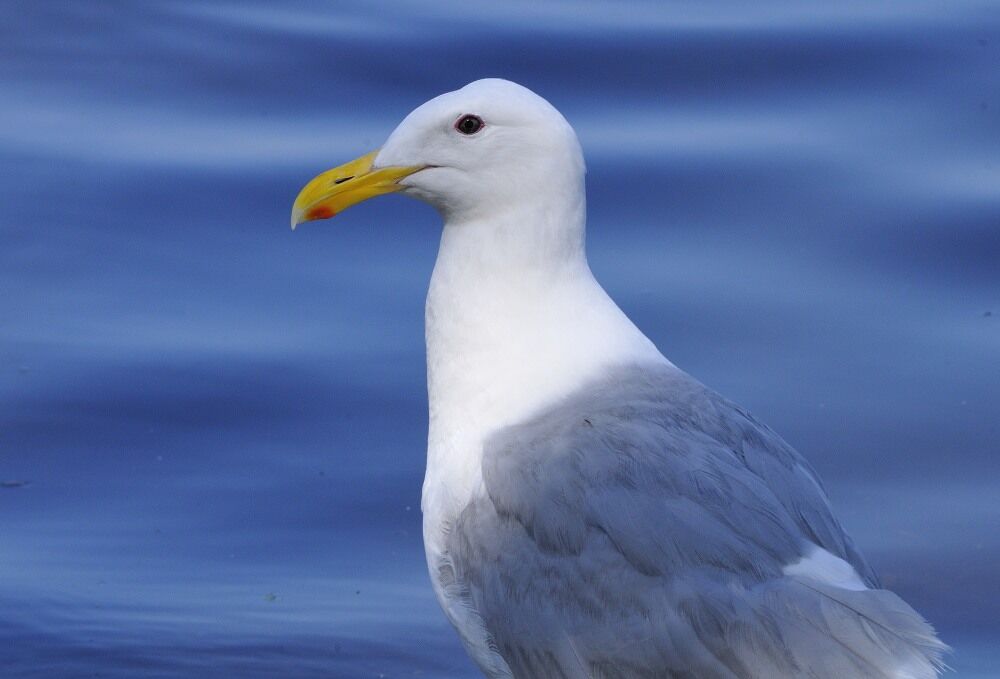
[(342, 179)]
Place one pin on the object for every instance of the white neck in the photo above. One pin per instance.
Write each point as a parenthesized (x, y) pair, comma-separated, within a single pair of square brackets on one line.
[(514, 320)]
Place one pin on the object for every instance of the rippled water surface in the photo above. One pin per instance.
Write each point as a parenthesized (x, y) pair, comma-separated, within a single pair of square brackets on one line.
[(212, 431)]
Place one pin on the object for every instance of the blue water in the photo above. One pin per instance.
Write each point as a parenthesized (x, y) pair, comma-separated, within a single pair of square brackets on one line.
[(212, 430)]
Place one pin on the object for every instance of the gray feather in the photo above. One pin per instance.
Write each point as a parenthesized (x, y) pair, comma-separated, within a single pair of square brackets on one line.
[(639, 529)]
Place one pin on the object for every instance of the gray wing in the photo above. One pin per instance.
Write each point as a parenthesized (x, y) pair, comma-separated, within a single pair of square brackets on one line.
[(640, 529)]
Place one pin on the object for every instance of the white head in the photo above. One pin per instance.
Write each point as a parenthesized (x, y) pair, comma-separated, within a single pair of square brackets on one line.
[(487, 146), (484, 149)]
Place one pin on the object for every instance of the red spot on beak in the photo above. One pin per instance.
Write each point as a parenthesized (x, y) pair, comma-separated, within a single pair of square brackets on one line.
[(319, 212)]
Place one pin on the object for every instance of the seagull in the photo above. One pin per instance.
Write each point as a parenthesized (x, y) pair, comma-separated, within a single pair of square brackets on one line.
[(590, 511)]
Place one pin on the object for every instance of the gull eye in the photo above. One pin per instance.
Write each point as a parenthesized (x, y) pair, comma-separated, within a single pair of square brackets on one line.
[(469, 124)]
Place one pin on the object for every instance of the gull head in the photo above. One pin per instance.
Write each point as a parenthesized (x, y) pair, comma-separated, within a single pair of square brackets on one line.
[(476, 151)]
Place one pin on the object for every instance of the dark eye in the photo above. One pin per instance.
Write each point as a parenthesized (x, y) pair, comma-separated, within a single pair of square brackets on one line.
[(469, 124)]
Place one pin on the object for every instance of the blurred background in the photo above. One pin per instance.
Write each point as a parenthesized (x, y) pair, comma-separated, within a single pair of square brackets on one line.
[(212, 431)]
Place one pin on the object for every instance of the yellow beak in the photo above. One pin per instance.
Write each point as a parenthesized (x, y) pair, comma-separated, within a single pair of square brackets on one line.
[(338, 189)]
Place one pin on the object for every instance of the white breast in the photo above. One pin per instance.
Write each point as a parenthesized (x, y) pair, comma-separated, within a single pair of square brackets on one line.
[(499, 348)]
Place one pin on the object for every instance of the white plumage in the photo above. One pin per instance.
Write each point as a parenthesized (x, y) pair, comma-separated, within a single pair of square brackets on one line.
[(590, 511)]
